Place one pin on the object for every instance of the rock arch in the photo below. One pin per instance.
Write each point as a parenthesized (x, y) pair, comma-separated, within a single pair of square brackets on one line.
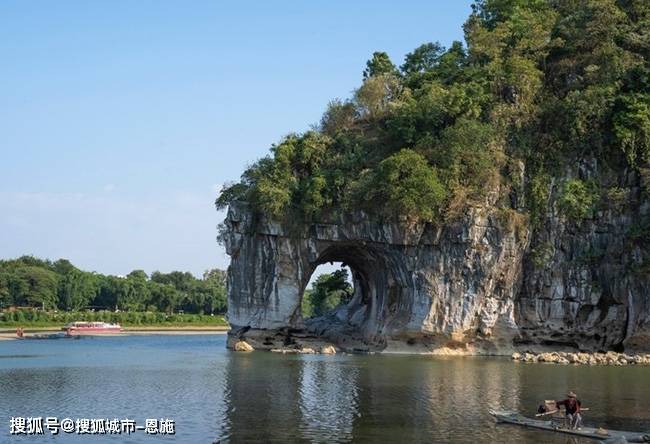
[(381, 290), (417, 283)]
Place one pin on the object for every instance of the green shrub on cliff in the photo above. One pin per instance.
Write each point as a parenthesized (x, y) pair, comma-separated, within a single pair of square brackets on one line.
[(406, 184), (578, 199), (632, 127)]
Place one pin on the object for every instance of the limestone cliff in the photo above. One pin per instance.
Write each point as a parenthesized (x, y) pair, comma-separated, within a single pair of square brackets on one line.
[(441, 285), (587, 284), (479, 284)]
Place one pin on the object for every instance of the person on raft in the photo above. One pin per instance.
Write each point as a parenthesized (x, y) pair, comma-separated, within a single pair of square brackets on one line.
[(572, 410)]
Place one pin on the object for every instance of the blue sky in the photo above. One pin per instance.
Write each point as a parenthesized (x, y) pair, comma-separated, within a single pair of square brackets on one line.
[(119, 120)]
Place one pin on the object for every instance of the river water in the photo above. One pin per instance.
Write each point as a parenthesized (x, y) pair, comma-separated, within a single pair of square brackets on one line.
[(214, 394)]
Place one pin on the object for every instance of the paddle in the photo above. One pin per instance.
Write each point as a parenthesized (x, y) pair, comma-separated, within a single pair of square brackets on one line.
[(555, 411)]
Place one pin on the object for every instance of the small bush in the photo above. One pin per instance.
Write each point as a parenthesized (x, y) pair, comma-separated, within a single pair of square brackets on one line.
[(541, 254), (616, 197), (645, 180), (578, 199), (540, 192), (406, 185)]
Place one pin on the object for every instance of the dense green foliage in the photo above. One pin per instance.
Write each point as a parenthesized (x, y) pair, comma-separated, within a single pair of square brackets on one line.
[(545, 82), (578, 199), (379, 64), (32, 282), (406, 185), (328, 291)]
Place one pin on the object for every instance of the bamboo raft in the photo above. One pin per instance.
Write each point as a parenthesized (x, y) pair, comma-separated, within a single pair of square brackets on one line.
[(599, 434)]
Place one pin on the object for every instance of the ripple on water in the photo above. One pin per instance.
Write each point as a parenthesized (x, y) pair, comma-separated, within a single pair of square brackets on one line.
[(266, 397), (19, 356)]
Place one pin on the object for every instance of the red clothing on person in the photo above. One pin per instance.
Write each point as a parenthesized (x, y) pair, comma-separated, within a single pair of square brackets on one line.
[(572, 405)]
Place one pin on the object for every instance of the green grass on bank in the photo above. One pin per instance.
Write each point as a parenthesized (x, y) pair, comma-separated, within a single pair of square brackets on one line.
[(43, 319)]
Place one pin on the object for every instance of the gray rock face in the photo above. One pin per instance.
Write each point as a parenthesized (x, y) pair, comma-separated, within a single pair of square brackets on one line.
[(585, 285), (476, 285), (446, 286)]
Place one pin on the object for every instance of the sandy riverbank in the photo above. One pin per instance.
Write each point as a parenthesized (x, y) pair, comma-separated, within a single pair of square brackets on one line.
[(7, 334)]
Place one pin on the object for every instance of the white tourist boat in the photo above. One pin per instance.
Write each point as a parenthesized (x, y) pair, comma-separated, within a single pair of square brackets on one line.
[(90, 328)]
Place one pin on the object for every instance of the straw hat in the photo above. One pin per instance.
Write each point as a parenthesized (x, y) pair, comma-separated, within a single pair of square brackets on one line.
[(571, 394)]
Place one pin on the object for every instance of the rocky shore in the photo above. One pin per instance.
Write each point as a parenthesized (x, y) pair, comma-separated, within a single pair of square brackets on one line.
[(325, 349), (609, 358)]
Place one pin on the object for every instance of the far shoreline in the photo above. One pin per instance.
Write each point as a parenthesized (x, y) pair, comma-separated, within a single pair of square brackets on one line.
[(8, 333)]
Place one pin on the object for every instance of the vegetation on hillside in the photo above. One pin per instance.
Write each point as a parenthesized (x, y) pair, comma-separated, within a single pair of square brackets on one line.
[(543, 82), (59, 285)]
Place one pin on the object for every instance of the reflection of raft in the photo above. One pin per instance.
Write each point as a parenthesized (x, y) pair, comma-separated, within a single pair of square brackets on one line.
[(586, 432)]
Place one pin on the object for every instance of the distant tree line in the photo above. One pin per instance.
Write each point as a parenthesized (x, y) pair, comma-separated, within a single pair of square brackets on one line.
[(327, 292), (32, 282)]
